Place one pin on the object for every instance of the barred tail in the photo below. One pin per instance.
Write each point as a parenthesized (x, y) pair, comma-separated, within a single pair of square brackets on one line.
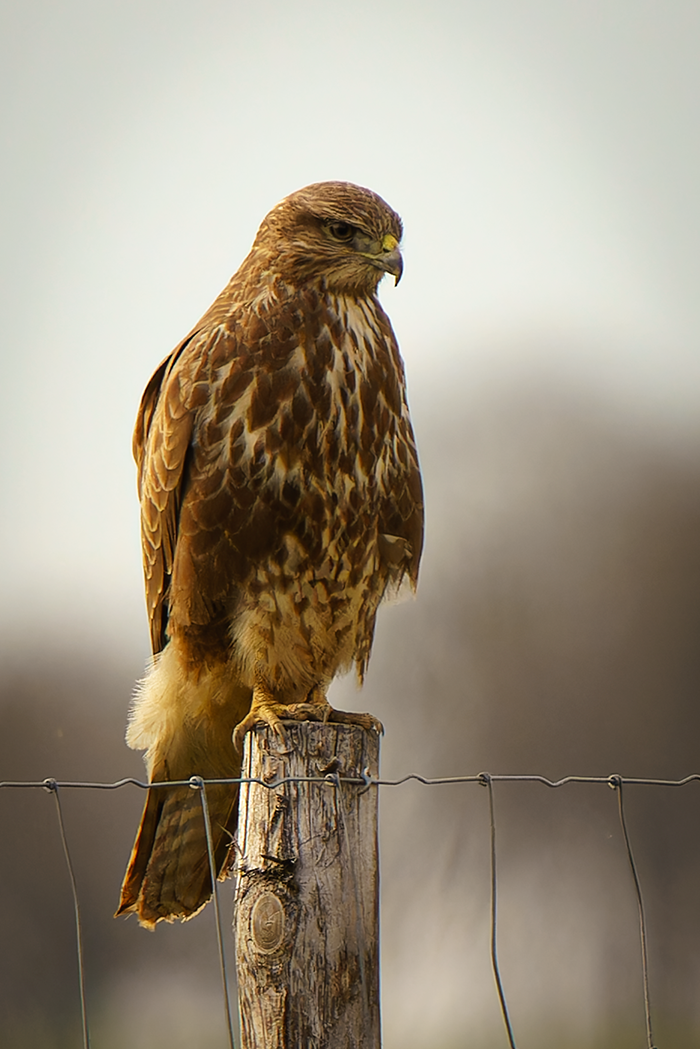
[(185, 723), (168, 876)]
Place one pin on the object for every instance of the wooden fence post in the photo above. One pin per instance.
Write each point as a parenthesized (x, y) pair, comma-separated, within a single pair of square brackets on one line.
[(307, 900)]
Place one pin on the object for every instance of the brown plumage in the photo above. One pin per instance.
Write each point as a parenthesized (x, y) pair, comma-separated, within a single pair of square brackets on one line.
[(280, 500)]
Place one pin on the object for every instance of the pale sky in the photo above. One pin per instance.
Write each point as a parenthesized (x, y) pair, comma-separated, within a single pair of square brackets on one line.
[(544, 157)]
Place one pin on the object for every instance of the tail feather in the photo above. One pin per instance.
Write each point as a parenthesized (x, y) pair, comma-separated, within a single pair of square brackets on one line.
[(141, 852), (185, 725), (168, 876)]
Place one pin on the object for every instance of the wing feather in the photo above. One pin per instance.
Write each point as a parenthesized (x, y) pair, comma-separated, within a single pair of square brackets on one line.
[(161, 441)]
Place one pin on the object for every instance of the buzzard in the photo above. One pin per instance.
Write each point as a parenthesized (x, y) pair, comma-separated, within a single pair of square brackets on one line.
[(281, 500)]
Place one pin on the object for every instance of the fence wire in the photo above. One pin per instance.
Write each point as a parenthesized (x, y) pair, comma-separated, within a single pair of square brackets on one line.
[(365, 781)]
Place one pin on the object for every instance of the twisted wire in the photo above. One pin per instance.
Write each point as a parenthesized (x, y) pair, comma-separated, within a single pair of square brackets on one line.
[(364, 781)]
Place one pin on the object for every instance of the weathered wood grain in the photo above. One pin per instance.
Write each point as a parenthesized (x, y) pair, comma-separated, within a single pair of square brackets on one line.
[(307, 903)]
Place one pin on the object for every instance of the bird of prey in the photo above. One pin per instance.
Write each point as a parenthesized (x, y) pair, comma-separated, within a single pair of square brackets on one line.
[(281, 500)]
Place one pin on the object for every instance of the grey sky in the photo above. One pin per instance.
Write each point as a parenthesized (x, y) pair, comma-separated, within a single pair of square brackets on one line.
[(543, 155)]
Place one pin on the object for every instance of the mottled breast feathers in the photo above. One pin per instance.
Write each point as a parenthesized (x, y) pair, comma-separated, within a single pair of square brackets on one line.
[(277, 433)]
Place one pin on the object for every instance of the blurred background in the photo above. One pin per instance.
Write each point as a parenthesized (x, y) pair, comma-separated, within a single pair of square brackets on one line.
[(545, 158)]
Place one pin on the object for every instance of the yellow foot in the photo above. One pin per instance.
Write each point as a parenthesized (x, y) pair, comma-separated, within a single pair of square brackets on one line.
[(317, 696), (348, 717), (265, 712), (269, 712)]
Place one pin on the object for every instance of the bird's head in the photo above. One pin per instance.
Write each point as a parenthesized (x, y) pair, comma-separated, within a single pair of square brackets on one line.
[(335, 234)]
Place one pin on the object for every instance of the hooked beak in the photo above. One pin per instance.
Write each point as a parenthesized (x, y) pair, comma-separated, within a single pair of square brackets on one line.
[(390, 260), (384, 255)]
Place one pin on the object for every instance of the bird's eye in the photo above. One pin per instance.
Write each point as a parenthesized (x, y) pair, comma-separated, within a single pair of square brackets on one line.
[(341, 231)]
